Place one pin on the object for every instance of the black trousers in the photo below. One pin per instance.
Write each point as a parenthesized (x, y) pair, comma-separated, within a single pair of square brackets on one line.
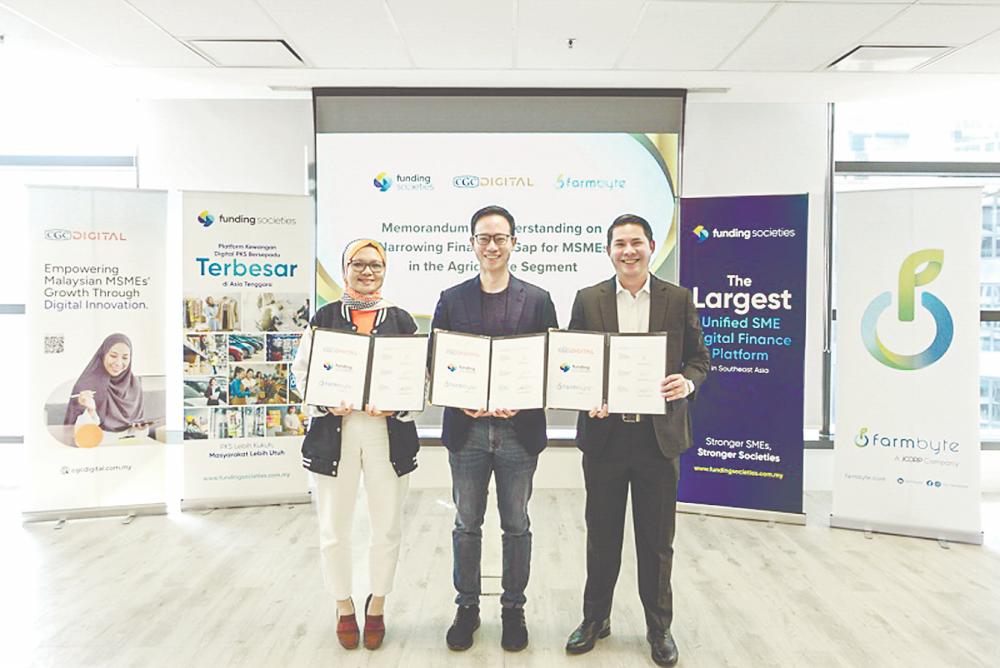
[(631, 460)]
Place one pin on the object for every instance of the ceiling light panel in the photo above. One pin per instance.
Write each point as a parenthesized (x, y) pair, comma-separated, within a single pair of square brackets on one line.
[(803, 37), (601, 31), (457, 34), (216, 19), (111, 30), (248, 53), (691, 35), (340, 33)]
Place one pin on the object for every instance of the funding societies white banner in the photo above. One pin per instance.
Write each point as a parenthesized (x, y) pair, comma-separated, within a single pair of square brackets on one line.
[(96, 428), (248, 281), (907, 450)]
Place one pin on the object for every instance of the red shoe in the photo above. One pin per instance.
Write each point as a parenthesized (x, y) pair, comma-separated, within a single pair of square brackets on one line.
[(347, 631), (374, 628)]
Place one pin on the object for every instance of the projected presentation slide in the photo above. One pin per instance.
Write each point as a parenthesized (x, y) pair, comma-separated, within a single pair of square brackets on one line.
[(415, 193)]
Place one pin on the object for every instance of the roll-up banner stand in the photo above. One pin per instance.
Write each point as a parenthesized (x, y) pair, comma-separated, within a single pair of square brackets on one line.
[(96, 393), (907, 452), (744, 259), (247, 287)]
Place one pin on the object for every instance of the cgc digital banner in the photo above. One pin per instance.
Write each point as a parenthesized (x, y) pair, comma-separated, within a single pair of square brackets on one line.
[(416, 193), (907, 452), (744, 259), (97, 390), (248, 280)]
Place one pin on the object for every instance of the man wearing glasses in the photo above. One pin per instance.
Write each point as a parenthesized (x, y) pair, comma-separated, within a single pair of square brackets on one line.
[(501, 443)]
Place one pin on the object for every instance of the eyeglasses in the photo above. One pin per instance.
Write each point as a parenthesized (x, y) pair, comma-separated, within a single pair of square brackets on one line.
[(498, 239), (376, 267)]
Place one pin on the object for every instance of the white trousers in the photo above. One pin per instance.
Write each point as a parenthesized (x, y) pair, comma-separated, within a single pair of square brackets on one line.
[(364, 448)]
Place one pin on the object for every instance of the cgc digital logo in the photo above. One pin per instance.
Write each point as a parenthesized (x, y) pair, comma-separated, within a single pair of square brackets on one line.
[(909, 280), (206, 219), (382, 182), (700, 233), (472, 181), (83, 235)]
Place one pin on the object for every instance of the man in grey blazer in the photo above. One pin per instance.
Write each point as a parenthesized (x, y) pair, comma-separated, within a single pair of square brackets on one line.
[(636, 451)]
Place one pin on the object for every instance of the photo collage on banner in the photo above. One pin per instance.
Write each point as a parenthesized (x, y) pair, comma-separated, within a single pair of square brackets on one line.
[(246, 299), (744, 258), (907, 450), (97, 391), (416, 193)]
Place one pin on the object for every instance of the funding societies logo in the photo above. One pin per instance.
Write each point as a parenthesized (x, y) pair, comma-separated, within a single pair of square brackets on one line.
[(382, 182), (909, 280), (700, 233), (206, 219)]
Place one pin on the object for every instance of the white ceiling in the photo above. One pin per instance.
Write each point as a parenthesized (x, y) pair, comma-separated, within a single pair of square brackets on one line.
[(757, 49)]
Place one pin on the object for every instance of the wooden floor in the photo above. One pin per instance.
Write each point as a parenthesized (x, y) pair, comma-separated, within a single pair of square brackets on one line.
[(242, 587)]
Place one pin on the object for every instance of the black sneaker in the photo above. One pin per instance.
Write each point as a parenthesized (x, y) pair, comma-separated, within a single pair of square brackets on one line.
[(515, 632), (459, 636)]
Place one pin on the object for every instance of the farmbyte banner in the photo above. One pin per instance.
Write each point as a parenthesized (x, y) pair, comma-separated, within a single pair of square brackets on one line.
[(744, 259), (906, 457)]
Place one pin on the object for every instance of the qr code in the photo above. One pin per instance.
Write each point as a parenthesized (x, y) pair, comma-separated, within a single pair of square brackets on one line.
[(54, 344)]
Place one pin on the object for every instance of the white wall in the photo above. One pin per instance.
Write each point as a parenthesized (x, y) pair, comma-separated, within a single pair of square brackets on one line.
[(768, 149), (230, 145)]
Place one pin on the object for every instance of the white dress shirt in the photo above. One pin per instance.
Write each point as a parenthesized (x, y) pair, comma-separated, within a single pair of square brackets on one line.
[(633, 313)]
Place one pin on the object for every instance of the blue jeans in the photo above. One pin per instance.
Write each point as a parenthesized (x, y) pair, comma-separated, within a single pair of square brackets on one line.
[(492, 449)]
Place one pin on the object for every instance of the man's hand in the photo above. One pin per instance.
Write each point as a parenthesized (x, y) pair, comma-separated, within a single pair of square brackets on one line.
[(342, 410), (376, 413), (503, 413), (477, 413), (599, 413), (673, 387)]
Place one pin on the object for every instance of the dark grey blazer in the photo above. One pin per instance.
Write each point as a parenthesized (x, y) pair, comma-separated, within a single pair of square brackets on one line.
[(671, 310), (460, 309)]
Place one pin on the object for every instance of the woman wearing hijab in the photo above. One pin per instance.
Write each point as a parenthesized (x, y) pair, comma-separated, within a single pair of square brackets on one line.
[(107, 393), (344, 442)]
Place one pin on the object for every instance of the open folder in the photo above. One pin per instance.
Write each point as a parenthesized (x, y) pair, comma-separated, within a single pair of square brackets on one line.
[(474, 372), (387, 371)]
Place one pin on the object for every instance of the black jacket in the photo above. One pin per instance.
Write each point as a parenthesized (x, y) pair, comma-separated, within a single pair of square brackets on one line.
[(671, 309), (321, 446), (530, 311)]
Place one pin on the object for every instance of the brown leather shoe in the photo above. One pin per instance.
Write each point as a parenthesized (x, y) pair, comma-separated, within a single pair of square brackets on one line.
[(374, 627), (347, 631)]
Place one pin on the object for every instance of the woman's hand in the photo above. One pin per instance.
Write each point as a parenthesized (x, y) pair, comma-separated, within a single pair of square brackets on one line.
[(342, 410), (477, 413), (504, 413), (376, 413), (86, 399)]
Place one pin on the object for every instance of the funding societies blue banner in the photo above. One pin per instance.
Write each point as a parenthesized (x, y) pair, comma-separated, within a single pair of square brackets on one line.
[(744, 259)]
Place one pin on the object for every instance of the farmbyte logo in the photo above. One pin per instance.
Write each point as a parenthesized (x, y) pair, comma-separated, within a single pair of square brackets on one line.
[(206, 219), (701, 233), (941, 446), (909, 280)]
